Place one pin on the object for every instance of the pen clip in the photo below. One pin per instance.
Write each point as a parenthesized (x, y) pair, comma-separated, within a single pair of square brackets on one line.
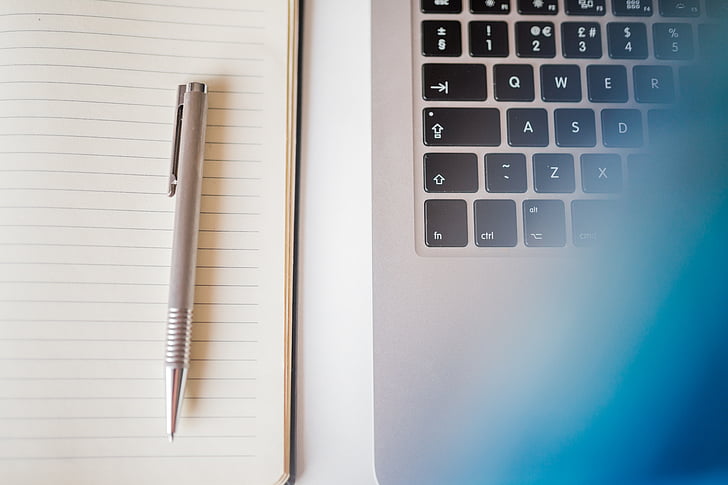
[(181, 89)]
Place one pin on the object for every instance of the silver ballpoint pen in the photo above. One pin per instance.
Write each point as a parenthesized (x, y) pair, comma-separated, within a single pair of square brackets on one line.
[(185, 183)]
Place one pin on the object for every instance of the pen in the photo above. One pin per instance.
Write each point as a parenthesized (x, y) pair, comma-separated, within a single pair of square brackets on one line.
[(185, 183)]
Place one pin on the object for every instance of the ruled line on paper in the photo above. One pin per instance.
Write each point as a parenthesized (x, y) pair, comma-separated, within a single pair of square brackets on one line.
[(81, 154), (150, 4), (127, 69), (122, 437), (152, 54), (128, 19), (150, 37), (117, 457)]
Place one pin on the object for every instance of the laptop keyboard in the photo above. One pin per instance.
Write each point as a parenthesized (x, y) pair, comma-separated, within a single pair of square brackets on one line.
[(533, 112)]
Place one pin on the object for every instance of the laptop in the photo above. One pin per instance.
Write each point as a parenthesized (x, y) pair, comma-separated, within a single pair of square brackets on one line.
[(530, 326)]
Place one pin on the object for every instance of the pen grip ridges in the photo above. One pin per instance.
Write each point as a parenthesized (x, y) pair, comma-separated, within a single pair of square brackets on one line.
[(179, 333)]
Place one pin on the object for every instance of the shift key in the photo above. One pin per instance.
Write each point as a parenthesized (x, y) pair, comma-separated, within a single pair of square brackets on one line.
[(461, 126)]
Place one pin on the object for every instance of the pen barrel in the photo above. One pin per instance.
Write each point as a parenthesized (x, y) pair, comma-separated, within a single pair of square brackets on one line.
[(186, 226)]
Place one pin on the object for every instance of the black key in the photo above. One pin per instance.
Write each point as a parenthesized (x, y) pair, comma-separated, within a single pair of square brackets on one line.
[(632, 8), (538, 7), (607, 84), (553, 173), (441, 6), (673, 41), (662, 126), (581, 40), (712, 40), (679, 8), (441, 38), (490, 6), (446, 223), (575, 128), (627, 40), (535, 39), (593, 221), (621, 127), (528, 127), (505, 172), (641, 169), (513, 82), (544, 223), (717, 8), (453, 82), (461, 126), (495, 223), (560, 83), (601, 173), (653, 84), (585, 7), (488, 39), (451, 172)]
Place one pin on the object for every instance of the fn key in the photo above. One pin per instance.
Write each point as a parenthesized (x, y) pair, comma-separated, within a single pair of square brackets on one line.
[(446, 223)]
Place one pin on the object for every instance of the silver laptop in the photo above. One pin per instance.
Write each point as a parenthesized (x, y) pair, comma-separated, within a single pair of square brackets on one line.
[(527, 328)]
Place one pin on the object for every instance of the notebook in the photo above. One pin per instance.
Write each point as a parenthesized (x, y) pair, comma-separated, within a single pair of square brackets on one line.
[(86, 118), (526, 329)]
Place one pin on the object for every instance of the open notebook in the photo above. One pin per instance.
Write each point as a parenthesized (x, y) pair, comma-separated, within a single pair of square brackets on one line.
[(87, 98)]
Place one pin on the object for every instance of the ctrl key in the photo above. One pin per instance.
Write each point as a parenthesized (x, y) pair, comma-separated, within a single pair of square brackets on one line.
[(495, 223), (446, 223)]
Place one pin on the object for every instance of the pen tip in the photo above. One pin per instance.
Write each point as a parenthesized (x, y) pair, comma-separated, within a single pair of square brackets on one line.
[(170, 436)]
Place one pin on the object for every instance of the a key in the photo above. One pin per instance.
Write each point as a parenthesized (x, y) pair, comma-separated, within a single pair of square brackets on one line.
[(490, 6), (632, 8), (585, 7), (495, 223), (440, 6), (544, 223), (451, 172), (538, 7), (446, 223), (535, 39), (673, 41), (461, 126), (560, 83), (607, 84), (653, 84), (575, 128), (453, 82), (553, 173), (621, 127), (627, 40), (581, 40), (505, 172), (528, 127), (513, 82), (441, 38), (601, 173), (679, 8), (488, 39), (593, 221)]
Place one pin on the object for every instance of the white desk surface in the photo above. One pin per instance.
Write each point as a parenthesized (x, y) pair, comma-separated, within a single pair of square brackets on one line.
[(334, 414)]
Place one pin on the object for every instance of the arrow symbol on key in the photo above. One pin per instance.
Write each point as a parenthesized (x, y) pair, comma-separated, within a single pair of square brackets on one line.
[(442, 87)]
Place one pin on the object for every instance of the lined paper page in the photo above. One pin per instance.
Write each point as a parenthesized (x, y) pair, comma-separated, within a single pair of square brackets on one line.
[(87, 92)]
